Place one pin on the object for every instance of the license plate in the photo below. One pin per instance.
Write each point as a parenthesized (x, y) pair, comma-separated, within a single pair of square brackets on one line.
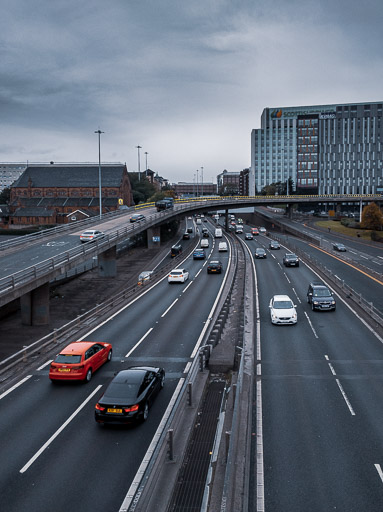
[(114, 410), (64, 369)]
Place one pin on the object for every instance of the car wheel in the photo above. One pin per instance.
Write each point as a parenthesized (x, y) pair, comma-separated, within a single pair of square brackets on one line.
[(308, 300), (145, 414), (312, 307), (162, 381), (109, 355), (88, 375)]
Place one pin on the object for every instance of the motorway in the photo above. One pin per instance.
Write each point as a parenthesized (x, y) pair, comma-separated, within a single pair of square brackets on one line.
[(54, 455), (321, 394), (321, 388)]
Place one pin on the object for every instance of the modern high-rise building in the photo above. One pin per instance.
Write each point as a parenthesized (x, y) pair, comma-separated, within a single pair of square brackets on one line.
[(324, 149)]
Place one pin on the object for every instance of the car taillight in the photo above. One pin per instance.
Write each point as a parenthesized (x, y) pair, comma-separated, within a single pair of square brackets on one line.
[(131, 409), (99, 408)]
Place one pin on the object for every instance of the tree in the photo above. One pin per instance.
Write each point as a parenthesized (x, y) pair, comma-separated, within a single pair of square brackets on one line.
[(142, 189), (372, 217), (5, 195)]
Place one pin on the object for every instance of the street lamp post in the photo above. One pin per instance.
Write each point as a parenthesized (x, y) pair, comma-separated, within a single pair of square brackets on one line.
[(139, 163), (99, 132), (202, 181), (197, 171), (146, 163)]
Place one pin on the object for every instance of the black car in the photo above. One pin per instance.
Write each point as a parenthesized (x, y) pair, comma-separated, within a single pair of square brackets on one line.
[(214, 267), (274, 245), (249, 236), (291, 260), (205, 234), (189, 230), (186, 236), (260, 253), (175, 250), (199, 254), (130, 395), (320, 297), (136, 217), (339, 247)]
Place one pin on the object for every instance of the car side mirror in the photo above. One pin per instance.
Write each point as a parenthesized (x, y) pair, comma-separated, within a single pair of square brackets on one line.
[(310, 293)]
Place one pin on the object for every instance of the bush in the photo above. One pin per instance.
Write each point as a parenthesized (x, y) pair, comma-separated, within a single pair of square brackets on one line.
[(376, 237)]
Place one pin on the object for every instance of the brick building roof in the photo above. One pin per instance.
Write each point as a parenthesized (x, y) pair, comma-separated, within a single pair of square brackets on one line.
[(79, 175)]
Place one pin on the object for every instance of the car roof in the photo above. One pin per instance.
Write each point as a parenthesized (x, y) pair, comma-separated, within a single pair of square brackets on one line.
[(78, 347), (281, 297), (134, 373), (215, 262)]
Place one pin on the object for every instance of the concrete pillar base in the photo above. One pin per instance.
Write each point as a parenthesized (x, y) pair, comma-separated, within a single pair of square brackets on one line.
[(107, 265), (153, 235), (35, 306)]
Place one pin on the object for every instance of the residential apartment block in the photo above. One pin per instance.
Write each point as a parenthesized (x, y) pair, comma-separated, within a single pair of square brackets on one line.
[(324, 149)]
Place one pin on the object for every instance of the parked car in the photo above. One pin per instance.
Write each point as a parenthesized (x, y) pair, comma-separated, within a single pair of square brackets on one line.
[(339, 247), (320, 297), (291, 260), (91, 235), (175, 250), (130, 395), (199, 254), (178, 275), (214, 267), (282, 310), (274, 245), (79, 360), (260, 253), (248, 236), (136, 217)]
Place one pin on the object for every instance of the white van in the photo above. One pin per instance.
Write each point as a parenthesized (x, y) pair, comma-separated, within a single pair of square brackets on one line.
[(239, 229), (199, 221), (222, 247), (218, 233), (204, 243)]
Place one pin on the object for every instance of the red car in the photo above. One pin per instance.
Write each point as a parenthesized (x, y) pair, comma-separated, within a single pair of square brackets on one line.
[(79, 360), (254, 231)]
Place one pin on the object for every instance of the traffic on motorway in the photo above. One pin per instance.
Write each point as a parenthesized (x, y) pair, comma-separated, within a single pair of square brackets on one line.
[(320, 364)]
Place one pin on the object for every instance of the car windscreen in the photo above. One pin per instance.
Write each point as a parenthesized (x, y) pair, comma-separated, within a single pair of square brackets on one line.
[(282, 304), (68, 358), (321, 293), (176, 273)]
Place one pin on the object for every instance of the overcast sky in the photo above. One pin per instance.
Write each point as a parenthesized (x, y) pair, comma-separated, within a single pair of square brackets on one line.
[(186, 80)]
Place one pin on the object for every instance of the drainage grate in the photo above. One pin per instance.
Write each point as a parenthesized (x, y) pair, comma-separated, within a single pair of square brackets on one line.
[(189, 489)]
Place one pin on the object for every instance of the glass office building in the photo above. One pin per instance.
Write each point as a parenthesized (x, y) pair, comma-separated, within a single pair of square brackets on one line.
[(324, 149)]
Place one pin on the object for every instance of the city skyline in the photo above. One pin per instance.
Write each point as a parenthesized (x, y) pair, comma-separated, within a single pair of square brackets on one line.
[(186, 83)]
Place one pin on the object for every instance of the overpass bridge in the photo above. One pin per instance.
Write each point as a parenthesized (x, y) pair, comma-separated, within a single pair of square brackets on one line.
[(30, 283)]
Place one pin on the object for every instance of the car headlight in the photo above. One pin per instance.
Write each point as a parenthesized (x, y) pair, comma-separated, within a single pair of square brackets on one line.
[(315, 302), (333, 302)]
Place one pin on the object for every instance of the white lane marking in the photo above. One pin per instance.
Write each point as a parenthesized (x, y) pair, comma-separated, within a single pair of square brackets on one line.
[(53, 437), (15, 386), (379, 470), (184, 290), (311, 325), (187, 367), (169, 308), (340, 387), (296, 295), (365, 257), (139, 342), (205, 263), (381, 257), (288, 280), (198, 273), (44, 365), (345, 397), (148, 455)]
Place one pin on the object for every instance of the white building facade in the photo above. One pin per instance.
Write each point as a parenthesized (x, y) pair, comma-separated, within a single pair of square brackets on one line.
[(324, 149)]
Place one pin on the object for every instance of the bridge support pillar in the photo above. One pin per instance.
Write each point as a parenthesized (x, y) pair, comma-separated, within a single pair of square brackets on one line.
[(289, 211), (227, 220), (34, 306), (107, 266), (153, 236)]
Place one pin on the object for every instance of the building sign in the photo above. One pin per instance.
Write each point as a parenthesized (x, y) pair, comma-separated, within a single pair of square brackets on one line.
[(120, 201), (156, 238), (327, 115), (325, 111)]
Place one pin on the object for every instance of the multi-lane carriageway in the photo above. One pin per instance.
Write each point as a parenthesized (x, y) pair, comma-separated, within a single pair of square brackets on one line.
[(320, 387)]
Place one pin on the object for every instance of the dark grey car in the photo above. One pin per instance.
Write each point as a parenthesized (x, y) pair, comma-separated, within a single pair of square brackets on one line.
[(320, 297)]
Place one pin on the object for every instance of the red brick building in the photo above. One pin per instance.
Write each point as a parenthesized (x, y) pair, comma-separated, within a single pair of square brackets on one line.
[(52, 194)]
